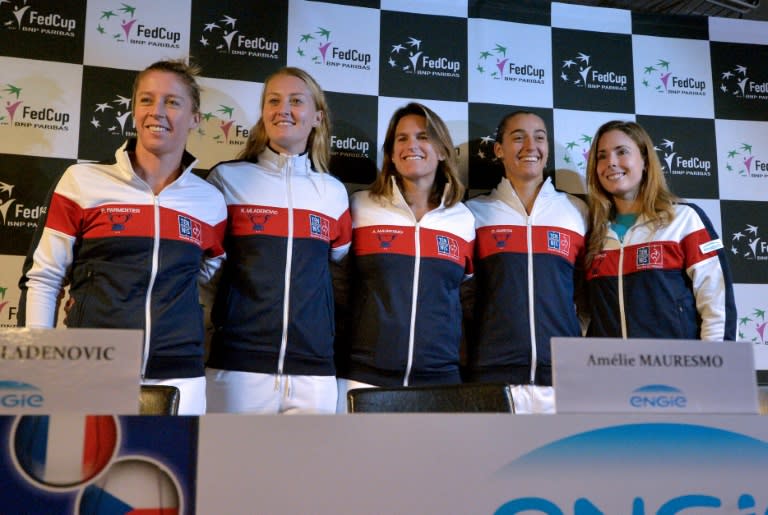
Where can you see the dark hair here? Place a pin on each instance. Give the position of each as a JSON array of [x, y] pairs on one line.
[[440, 137]]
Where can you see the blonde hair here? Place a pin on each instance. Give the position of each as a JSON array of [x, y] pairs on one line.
[[657, 202], [319, 142], [187, 73], [440, 137]]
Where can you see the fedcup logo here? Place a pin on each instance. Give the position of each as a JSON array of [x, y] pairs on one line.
[[112, 116], [577, 152], [5, 204], [658, 396], [495, 64], [221, 125], [120, 24], [737, 82], [10, 94], [580, 72], [224, 35], [31, 19], [19, 113], [749, 245], [661, 79], [318, 48], [752, 327], [740, 160], [3, 302], [409, 57], [675, 163]]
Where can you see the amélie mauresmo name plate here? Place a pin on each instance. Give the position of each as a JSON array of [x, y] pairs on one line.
[[607, 375]]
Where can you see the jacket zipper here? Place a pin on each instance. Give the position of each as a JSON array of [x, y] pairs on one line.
[[531, 313], [152, 277], [287, 280], [414, 302]]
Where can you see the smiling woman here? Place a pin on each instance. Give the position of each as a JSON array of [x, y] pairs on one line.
[[411, 250], [132, 239], [272, 345]]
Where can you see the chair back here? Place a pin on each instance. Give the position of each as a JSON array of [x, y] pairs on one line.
[[456, 398], [158, 399]]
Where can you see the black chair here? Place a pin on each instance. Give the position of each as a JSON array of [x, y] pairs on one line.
[[158, 399], [456, 398]]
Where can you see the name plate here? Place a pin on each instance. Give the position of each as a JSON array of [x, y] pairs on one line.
[[607, 375], [91, 371]]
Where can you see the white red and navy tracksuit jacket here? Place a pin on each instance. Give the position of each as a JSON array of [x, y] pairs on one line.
[[274, 310], [526, 281], [406, 323], [132, 259], [667, 282]]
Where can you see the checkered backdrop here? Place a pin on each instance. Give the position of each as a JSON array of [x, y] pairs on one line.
[[700, 86]]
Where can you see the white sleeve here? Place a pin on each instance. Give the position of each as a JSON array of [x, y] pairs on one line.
[[50, 262]]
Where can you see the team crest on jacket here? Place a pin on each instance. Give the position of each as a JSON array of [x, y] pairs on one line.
[[558, 242], [386, 237], [118, 220], [650, 256], [500, 237], [447, 246], [190, 230], [319, 227]]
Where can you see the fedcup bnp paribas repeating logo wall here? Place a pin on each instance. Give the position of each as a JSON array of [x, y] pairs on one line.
[[319, 47], [113, 116], [738, 82], [581, 71], [496, 64], [223, 34], [220, 125], [660, 76], [677, 162], [123, 23], [39, 17], [19, 112]]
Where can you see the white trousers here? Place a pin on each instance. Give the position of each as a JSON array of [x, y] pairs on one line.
[[232, 391], [532, 399], [344, 385], [191, 393]]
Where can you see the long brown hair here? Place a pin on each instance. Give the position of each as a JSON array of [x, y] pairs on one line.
[[657, 202], [440, 137], [319, 142]]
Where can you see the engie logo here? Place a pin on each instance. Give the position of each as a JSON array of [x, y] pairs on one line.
[[120, 24], [658, 396], [226, 38], [659, 77], [495, 64], [28, 18], [675, 163], [581, 72], [16, 394], [740, 160], [409, 57], [320, 49], [736, 82]]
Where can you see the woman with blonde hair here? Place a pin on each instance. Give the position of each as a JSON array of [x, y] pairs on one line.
[[272, 343], [655, 266], [412, 248]]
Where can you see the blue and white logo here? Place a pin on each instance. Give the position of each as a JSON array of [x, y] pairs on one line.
[[16, 394], [658, 396]]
